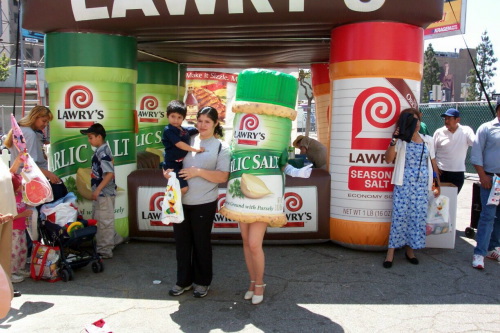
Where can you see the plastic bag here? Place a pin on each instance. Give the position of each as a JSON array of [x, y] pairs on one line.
[[32, 224], [494, 197], [61, 211], [36, 187], [45, 262], [438, 215], [171, 207]]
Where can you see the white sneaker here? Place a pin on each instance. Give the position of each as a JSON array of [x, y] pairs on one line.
[[24, 273], [478, 261], [494, 254]]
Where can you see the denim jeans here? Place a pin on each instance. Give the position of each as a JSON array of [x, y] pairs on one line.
[[488, 226]]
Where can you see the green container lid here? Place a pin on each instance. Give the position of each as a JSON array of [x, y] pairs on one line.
[[266, 86], [70, 49], [153, 72]]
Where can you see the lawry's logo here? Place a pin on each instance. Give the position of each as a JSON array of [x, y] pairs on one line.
[[148, 112], [246, 133], [149, 103], [77, 112], [78, 96], [296, 214], [293, 201], [375, 111], [153, 214]]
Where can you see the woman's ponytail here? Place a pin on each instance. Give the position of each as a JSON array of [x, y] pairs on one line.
[[219, 131]]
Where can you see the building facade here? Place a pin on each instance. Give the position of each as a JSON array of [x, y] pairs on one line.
[[455, 68]]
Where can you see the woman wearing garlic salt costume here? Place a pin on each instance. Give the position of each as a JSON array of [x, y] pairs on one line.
[[264, 109]]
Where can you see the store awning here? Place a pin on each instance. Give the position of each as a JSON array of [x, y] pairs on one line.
[[225, 33]]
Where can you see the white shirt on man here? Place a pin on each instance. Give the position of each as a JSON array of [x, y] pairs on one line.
[[451, 148]]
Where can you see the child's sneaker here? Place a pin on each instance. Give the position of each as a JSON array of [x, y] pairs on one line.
[[16, 278], [494, 254], [478, 261]]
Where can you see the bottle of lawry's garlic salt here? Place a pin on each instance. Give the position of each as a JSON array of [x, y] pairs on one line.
[[264, 109]]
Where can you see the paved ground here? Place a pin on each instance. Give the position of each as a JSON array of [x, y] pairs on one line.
[[311, 288]]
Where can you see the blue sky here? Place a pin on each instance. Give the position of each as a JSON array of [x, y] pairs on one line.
[[481, 15]]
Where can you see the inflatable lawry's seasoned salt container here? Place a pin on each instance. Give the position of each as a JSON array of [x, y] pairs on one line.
[[264, 109], [371, 85], [92, 79]]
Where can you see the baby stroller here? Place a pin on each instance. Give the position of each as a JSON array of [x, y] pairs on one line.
[[75, 239]]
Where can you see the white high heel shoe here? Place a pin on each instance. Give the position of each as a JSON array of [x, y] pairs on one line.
[[257, 299], [249, 293]]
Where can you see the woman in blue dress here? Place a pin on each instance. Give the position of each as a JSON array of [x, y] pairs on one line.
[[414, 163]]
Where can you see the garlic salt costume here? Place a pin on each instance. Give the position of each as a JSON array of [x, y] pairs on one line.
[[264, 109]]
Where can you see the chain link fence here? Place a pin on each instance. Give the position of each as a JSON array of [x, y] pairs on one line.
[[472, 114]]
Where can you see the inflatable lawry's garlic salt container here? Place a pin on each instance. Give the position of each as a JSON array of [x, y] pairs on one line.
[[264, 109]]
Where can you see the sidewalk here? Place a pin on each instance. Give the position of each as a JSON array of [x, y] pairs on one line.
[[310, 288]]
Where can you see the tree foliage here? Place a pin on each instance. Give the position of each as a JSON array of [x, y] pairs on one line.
[[4, 67], [485, 61], [303, 75], [431, 73]]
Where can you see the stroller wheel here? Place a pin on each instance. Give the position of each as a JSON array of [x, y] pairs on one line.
[[469, 233], [66, 274], [97, 267]]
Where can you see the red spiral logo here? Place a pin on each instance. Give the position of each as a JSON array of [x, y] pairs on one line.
[[221, 200], [156, 201], [79, 96], [249, 122], [149, 103], [380, 106], [293, 201]]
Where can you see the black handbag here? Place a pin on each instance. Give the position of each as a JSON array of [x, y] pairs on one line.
[[407, 124]]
